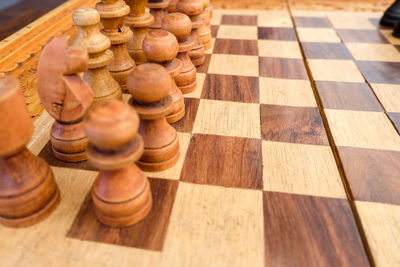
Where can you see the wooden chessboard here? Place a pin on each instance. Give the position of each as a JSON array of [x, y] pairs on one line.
[[290, 154]]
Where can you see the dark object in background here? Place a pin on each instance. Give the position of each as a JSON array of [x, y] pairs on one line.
[[396, 30], [16, 14], [391, 15]]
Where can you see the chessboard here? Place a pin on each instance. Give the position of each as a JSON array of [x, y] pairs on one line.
[[290, 152]]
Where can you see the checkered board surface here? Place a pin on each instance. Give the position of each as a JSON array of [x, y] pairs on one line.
[[290, 157]]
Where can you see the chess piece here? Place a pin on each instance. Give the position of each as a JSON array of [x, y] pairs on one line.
[[172, 6], [194, 8], [159, 9], [205, 29], [161, 47], [396, 30], [149, 85], [28, 191], [65, 96], [180, 25], [121, 193], [112, 14], [138, 20], [391, 15], [96, 44]]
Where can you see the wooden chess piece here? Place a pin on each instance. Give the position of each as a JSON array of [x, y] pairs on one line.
[[194, 8], [391, 15], [205, 29], [112, 14], [161, 47], [396, 30], [159, 9], [149, 85], [28, 191], [172, 6], [65, 96], [121, 193], [180, 25], [138, 20], [96, 44]]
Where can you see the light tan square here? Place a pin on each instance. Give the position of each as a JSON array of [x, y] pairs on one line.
[[335, 70], [283, 49], [274, 18], [215, 226], [323, 35], [41, 133], [200, 77], [362, 129], [234, 65], [381, 223], [374, 52], [388, 95], [301, 169], [388, 35], [174, 173], [216, 17], [227, 118], [237, 32], [350, 21], [286, 92]]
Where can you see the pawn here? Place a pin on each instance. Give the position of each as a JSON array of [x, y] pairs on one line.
[[28, 191], [161, 47], [112, 14], [159, 9], [65, 96], [172, 6], [194, 8], [149, 85], [121, 193], [205, 29], [97, 45], [180, 25]]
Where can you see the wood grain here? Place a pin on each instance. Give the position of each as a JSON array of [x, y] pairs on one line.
[[374, 52], [312, 22], [372, 174], [231, 88], [395, 118], [237, 32], [282, 49], [301, 169], [203, 68], [300, 228], [292, 124], [323, 35], [274, 33], [237, 47], [380, 72], [186, 123], [147, 234], [361, 36], [335, 70], [239, 20], [286, 68], [224, 161], [314, 50], [234, 65], [388, 95], [349, 96]]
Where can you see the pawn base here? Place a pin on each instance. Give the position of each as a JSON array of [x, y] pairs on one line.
[[198, 61], [188, 88], [171, 118], [70, 157], [35, 217], [159, 166]]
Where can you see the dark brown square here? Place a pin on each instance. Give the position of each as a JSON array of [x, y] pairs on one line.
[[48, 155], [236, 47], [224, 161], [214, 30], [310, 231], [292, 124], [395, 118], [397, 47], [373, 175], [350, 96], [312, 22], [380, 72], [285, 68], [315, 50], [186, 123], [239, 20], [361, 36], [231, 88], [203, 68], [272, 33], [147, 234]]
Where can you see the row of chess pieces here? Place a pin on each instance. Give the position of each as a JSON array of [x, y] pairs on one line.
[[119, 47]]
